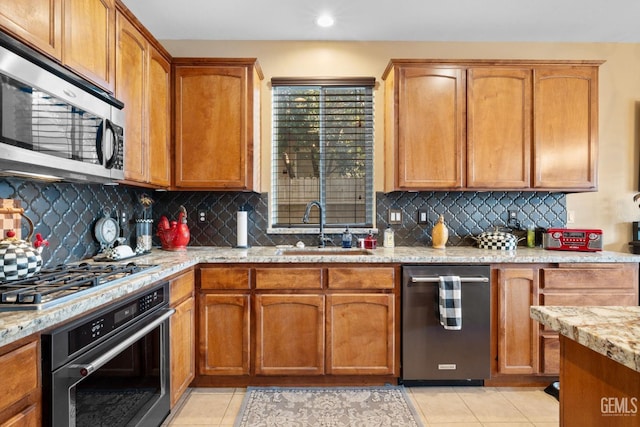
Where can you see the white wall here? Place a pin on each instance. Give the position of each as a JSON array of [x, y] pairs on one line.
[[611, 208]]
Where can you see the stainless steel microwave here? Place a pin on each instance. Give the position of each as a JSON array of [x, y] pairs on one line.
[[53, 124]]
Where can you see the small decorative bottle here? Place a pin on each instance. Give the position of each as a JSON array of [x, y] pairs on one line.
[[439, 234]]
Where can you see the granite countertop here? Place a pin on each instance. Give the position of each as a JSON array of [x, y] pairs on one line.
[[613, 332], [18, 324]]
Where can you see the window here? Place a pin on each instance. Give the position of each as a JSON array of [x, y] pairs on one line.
[[322, 150]]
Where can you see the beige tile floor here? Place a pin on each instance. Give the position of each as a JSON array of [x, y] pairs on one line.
[[437, 406]]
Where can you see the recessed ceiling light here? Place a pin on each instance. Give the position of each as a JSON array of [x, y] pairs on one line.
[[325, 21]]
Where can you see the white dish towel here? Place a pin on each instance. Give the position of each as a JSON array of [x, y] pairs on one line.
[[450, 302]]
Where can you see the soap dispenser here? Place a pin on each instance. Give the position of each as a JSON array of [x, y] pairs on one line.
[[347, 238], [389, 237]]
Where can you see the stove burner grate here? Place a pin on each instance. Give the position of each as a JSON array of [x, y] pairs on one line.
[[62, 281]]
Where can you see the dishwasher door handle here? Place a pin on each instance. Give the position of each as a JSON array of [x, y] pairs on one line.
[[432, 279]]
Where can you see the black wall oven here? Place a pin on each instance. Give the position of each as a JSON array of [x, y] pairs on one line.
[[110, 368]]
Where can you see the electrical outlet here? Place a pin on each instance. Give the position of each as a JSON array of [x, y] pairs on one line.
[[422, 217], [395, 216], [202, 216], [513, 221]]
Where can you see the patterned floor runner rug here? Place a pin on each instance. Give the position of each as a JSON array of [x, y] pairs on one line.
[[327, 407]]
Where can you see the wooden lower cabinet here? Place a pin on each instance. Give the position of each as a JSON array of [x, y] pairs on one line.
[[361, 334], [20, 399], [289, 334], [517, 333], [276, 324], [223, 339], [522, 346], [582, 285], [182, 334]]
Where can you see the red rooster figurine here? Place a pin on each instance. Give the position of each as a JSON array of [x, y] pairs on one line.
[[174, 237]]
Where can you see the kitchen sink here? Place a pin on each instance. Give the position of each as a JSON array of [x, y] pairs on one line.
[[323, 251]]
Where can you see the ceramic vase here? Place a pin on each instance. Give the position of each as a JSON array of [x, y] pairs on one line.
[[439, 234]]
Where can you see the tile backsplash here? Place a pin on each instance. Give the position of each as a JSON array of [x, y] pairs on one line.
[[66, 213]]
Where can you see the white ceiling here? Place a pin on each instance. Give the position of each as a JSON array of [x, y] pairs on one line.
[[393, 20]]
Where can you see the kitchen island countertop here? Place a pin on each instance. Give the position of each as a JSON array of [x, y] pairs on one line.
[[18, 324], [611, 331]]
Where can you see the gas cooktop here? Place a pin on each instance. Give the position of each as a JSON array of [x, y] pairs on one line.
[[52, 286]]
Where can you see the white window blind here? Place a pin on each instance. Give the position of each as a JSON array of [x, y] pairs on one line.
[[322, 150]]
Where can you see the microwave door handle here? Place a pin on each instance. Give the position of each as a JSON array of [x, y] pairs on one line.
[[114, 145], [99, 138]]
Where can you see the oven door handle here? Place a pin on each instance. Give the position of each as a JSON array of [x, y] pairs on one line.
[[90, 367], [436, 279]]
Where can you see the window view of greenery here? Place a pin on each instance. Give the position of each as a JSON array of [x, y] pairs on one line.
[[322, 150]]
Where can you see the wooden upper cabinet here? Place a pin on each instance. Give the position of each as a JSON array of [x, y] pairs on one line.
[[89, 39], [566, 128], [499, 107], [37, 22], [425, 127], [217, 128], [491, 124], [143, 84], [131, 71], [159, 98]]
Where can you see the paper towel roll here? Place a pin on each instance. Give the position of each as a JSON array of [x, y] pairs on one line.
[[242, 229]]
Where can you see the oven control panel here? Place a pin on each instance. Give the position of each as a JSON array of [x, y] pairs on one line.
[[102, 324]]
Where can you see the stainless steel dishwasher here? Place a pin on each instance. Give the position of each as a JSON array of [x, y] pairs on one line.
[[432, 354]]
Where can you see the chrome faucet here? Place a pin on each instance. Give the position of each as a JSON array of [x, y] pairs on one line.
[[305, 219]]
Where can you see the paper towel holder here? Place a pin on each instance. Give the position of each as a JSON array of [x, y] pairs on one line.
[[242, 241]]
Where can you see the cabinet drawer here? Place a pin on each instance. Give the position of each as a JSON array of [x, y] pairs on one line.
[[602, 277], [289, 278], [362, 278], [19, 373], [224, 278], [28, 417], [181, 287], [585, 299]]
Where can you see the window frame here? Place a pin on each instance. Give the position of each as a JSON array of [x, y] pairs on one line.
[[369, 143]]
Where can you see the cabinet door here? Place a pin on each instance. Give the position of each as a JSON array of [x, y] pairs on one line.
[[37, 22], [89, 39], [21, 394], [361, 334], [430, 128], [131, 71], [289, 334], [517, 332], [565, 128], [182, 348], [499, 112], [211, 116], [223, 334], [159, 119]]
